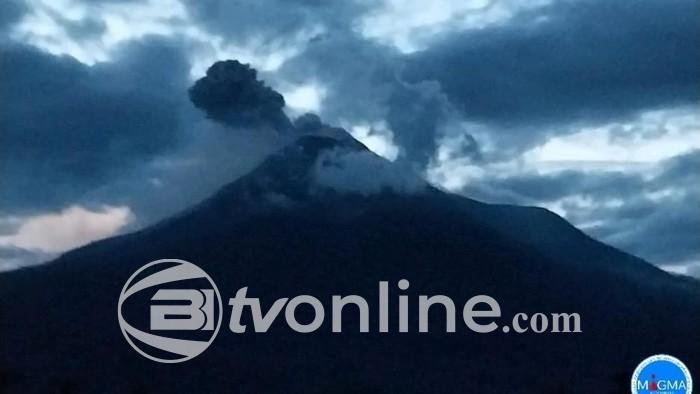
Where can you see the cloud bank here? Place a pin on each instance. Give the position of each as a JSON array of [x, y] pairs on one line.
[[587, 107]]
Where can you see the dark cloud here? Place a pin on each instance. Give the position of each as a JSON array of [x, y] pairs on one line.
[[668, 231], [10, 12], [230, 93], [124, 132], [653, 216], [266, 22], [80, 30], [68, 128], [682, 170], [585, 61], [416, 114], [543, 72], [310, 123], [663, 231], [570, 63], [668, 235], [552, 187], [362, 78], [363, 84]]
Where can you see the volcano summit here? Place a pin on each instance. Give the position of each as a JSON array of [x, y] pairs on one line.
[[325, 215]]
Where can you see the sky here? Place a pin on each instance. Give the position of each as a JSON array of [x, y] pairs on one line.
[[589, 108]]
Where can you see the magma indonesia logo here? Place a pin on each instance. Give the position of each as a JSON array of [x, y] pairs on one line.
[[180, 305], [662, 374]]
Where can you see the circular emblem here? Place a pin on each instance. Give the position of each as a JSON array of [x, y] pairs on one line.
[[662, 374], [170, 310]]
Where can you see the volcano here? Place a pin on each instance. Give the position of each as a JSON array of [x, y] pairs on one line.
[[326, 216]]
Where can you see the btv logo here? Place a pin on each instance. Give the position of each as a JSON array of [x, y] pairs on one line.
[[176, 307]]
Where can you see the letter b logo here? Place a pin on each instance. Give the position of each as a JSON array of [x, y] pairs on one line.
[[199, 310], [176, 307]]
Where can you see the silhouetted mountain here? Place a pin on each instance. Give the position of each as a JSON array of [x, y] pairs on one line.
[[326, 216]]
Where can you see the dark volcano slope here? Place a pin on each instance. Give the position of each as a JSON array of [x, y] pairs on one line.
[[59, 331]]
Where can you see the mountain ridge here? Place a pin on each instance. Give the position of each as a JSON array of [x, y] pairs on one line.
[[327, 238]]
